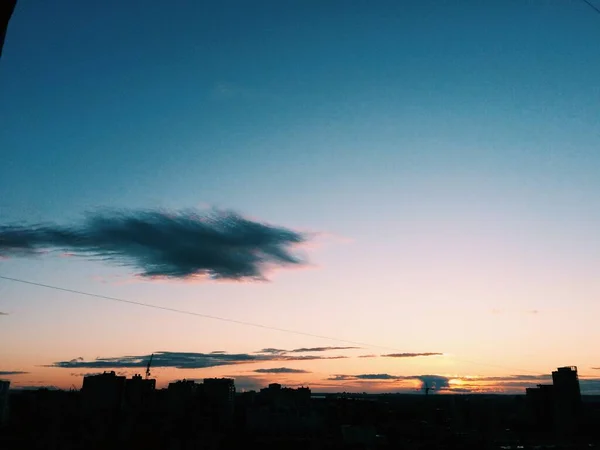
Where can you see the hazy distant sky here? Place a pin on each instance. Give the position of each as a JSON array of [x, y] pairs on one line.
[[449, 149]]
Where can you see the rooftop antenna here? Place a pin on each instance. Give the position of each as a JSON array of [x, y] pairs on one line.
[[148, 366]]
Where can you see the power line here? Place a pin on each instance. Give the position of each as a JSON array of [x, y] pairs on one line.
[[591, 5], [238, 322], [192, 313]]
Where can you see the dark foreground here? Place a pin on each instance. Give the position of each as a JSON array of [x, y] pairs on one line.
[[280, 418]]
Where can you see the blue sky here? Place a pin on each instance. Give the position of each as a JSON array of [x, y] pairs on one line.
[[453, 145]]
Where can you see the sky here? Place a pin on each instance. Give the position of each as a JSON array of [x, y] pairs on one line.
[[420, 179]]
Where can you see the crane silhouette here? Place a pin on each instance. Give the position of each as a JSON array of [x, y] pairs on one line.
[[148, 366]]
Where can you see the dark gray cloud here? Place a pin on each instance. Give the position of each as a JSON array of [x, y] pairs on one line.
[[376, 376], [371, 376], [306, 357], [368, 356], [274, 351], [180, 360], [320, 349], [7, 373], [411, 355], [219, 244], [3, 313], [365, 376], [183, 360], [281, 370], [437, 382]]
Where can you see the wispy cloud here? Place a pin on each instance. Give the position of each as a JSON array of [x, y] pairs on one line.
[[307, 357], [366, 376], [272, 351], [508, 378], [411, 355], [518, 383], [280, 351], [183, 244], [84, 374], [281, 370], [340, 378], [436, 382], [26, 387], [7, 373], [3, 313], [368, 356], [319, 349]]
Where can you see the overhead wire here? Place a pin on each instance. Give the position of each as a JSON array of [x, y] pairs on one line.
[[591, 5], [193, 313], [235, 321]]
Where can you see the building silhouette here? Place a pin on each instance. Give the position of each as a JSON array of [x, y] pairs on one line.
[[137, 391], [113, 404], [556, 406], [219, 394], [283, 411], [182, 399], [112, 411], [4, 388], [101, 397], [540, 403], [276, 395], [103, 392], [567, 398]]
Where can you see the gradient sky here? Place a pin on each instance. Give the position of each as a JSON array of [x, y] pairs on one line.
[[449, 152]]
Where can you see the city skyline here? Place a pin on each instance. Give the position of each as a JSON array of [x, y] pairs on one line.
[[420, 177], [284, 376], [270, 365]]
